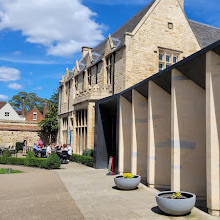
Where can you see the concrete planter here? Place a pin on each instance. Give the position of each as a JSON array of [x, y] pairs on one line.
[[127, 184], [180, 206]]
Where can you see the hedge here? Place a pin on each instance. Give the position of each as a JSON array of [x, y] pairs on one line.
[[86, 160], [47, 163]]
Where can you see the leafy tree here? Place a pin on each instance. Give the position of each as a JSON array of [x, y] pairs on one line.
[[31, 100], [49, 126]]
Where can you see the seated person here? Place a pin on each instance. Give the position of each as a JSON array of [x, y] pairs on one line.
[[48, 152], [36, 148], [69, 149], [64, 148]]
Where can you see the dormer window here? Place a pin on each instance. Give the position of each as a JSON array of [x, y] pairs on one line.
[[34, 116], [6, 114]]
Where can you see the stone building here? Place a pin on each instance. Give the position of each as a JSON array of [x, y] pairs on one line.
[[15, 126], [167, 128], [157, 37]]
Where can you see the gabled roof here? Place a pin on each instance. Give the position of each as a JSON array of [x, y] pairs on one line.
[[2, 104], [205, 34]]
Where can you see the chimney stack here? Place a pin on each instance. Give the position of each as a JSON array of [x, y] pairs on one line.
[[45, 109], [23, 108], [85, 50]]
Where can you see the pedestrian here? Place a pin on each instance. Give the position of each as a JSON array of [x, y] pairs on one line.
[[40, 142], [24, 147]]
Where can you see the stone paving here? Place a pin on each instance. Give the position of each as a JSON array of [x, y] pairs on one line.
[[36, 194], [95, 195]]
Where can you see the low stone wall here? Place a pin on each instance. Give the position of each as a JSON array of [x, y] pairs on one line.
[[14, 131]]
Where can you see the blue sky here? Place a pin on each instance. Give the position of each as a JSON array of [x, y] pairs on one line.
[[40, 38]]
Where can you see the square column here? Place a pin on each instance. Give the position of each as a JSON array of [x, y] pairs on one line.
[[213, 132], [159, 137], [188, 153], [139, 134], [124, 162]]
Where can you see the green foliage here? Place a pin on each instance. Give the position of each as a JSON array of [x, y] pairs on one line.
[[28, 160], [47, 163], [49, 126], [5, 171], [88, 152], [12, 160], [53, 161], [19, 146], [31, 100], [6, 153], [86, 160]]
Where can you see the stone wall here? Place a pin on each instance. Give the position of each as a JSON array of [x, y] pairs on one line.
[[12, 132]]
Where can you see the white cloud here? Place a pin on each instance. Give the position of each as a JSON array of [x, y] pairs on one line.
[[119, 2], [38, 88], [62, 26], [9, 74], [17, 52], [15, 86], [3, 97]]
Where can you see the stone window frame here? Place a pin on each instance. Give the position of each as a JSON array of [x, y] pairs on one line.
[[34, 114], [76, 82], [81, 128], [109, 68], [7, 114], [90, 76], [167, 57]]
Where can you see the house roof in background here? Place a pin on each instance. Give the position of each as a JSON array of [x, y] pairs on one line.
[[2, 104]]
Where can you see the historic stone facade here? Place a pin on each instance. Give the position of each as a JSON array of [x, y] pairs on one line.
[[154, 39], [15, 131]]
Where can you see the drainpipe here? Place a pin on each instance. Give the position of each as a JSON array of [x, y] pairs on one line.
[[113, 75]]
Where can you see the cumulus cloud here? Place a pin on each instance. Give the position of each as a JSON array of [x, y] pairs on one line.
[[9, 74], [119, 2], [3, 97], [62, 26], [14, 86]]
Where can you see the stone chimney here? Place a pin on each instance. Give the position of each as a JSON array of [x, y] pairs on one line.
[[23, 108], [181, 3], [85, 50]]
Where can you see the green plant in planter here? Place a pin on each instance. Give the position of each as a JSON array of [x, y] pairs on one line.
[[127, 176], [176, 195]]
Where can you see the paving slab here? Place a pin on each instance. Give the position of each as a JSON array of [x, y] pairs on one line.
[[35, 194], [97, 198]]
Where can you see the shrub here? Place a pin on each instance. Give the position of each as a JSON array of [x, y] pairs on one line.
[[88, 152], [19, 146], [12, 160], [52, 162], [86, 160], [35, 162], [6, 153]]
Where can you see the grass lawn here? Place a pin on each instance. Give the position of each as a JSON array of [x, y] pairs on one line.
[[5, 171]]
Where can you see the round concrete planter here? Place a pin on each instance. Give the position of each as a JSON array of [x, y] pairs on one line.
[[127, 184], [180, 206]]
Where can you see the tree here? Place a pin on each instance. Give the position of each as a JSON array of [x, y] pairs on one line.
[[31, 100], [49, 126]]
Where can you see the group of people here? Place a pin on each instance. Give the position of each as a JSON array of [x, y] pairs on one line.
[[53, 147]]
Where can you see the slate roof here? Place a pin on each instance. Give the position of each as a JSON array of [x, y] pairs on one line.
[[2, 104], [205, 34]]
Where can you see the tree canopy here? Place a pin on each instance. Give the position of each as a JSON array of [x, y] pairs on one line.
[[31, 100], [49, 126]]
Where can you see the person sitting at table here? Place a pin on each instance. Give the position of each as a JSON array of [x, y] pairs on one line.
[[64, 148], [36, 148], [70, 151], [59, 147], [48, 152]]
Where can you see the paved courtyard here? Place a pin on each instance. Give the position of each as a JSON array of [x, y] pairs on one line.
[[96, 197], [75, 192]]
